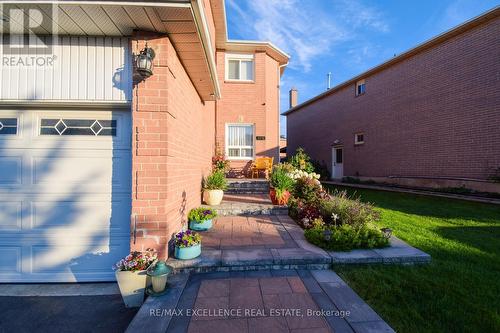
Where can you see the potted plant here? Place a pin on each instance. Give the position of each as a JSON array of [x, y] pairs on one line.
[[280, 185], [213, 188], [187, 245], [132, 278], [200, 219]]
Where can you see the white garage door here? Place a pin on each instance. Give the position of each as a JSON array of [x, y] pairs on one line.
[[64, 194]]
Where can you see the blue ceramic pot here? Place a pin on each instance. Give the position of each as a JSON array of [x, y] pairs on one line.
[[185, 253], [200, 226]]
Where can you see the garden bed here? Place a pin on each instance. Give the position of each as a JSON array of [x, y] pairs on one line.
[[332, 221]]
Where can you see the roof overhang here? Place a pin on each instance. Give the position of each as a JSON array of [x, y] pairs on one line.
[[251, 45], [184, 21]]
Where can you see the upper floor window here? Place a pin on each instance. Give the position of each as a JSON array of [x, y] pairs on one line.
[[359, 138], [360, 87], [239, 67]]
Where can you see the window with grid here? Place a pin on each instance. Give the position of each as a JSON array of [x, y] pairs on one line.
[[239, 67], [239, 141]]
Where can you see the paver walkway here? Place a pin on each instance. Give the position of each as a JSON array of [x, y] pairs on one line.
[[259, 301], [277, 242]]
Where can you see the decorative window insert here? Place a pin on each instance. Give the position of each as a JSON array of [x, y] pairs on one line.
[[359, 138], [240, 67], [78, 127], [8, 126], [239, 141], [360, 87]]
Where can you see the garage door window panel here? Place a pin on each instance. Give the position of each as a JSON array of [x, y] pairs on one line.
[[91, 127], [8, 126]]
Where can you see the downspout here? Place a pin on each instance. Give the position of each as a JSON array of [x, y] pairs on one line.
[[279, 107]]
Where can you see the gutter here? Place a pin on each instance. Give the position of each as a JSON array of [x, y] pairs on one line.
[[200, 21]]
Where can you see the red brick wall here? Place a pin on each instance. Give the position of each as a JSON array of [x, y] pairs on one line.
[[172, 146], [251, 103], [435, 114]]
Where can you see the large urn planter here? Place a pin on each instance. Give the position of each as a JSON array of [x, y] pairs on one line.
[[132, 277], [279, 201], [213, 197], [132, 286], [213, 188]]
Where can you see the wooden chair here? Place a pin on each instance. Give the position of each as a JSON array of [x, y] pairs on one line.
[[263, 163]]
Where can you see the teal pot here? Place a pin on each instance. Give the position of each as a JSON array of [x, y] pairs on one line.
[[185, 253], [200, 226]]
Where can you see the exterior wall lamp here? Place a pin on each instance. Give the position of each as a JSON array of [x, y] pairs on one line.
[[144, 61]]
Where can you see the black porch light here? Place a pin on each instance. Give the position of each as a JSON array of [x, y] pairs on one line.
[[144, 61]]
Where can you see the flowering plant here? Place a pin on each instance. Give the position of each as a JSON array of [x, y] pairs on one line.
[[296, 174], [219, 163], [187, 238], [201, 214], [137, 261]]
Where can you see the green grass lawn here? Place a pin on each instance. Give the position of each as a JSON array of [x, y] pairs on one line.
[[459, 291]]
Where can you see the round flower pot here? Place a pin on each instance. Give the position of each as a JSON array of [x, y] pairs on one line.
[[185, 253], [200, 225], [213, 197], [132, 286], [283, 201]]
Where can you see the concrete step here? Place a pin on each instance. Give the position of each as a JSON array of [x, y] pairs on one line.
[[248, 204], [247, 186]]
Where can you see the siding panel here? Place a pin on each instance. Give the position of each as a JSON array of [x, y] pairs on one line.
[[84, 69]]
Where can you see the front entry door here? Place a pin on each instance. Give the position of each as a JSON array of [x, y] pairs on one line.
[[337, 165]]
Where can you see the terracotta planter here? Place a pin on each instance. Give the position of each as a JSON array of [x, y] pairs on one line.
[[213, 197], [132, 286], [276, 201]]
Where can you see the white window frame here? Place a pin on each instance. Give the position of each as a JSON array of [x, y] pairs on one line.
[[356, 141], [239, 57], [240, 158], [359, 83]]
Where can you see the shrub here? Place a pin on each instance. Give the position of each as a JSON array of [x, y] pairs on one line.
[[339, 209], [219, 163], [309, 190], [215, 181], [300, 160], [346, 237], [321, 169], [280, 180], [201, 214]]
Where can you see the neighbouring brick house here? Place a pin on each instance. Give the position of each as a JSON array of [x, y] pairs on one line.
[[96, 159], [427, 117]]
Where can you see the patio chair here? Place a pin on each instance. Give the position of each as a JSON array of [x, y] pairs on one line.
[[263, 163]]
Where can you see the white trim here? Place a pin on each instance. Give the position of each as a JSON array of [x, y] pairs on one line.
[[204, 33], [239, 57], [258, 43], [226, 146], [179, 4]]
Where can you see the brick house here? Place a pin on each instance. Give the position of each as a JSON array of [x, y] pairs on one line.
[[427, 117], [97, 159]]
